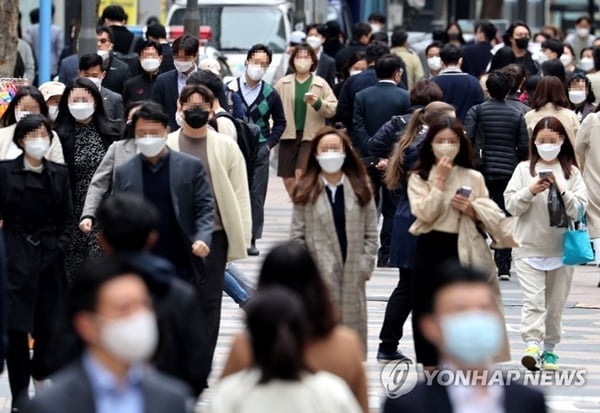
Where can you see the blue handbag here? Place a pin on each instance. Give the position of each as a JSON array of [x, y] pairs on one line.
[[577, 246]]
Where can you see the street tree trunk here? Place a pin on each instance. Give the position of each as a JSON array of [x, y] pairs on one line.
[[9, 15], [491, 9]]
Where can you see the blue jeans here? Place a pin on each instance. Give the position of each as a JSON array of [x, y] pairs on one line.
[[235, 290]]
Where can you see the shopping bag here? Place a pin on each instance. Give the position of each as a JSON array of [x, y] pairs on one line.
[[577, 246]]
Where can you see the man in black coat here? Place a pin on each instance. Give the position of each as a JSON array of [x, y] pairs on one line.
[[125, 42], [326, 67], [477, 55], [90, 67], [117, 71], [462, 321], [129, 229], [361, 36], [157, 33], [140, 87], [500, 140]]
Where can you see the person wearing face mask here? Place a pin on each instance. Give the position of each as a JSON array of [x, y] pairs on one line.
[[168, 85], [433, 59], [586, 60], [308, 102], [400, 48], [377, 22], [568, 60], [583, 36], [462, 321], [28, 100], [326, 66], [226, 171], [453, 35], [37, 215], [90, 67], [451, 204], [85, 133], [140, 87], [517, 36], [581, 96], [52, 92], [333, 195], [356, 65], [117, 71], [111, 313], [545, 280]]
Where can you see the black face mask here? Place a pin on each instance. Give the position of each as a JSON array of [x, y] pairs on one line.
[[196, 118], [522, 43], [453, 36]]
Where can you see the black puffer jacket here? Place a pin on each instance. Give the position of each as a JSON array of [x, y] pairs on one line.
[[505, 140]]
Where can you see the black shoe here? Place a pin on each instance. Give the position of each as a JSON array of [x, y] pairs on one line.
[[253, 251], [384, 357], [383, 263], [504, 277]]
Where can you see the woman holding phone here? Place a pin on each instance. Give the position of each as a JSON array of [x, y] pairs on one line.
[[307, 103], [545, 280]]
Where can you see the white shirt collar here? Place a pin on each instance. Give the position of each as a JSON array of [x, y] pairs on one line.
[[388, 81], [332, 188]]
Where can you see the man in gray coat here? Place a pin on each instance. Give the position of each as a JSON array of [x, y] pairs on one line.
[[111, 314]]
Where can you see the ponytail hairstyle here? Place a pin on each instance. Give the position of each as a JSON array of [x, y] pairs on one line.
[[277, 325], [395, 174]]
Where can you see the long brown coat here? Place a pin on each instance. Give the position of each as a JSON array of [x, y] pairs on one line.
[[313, 224]]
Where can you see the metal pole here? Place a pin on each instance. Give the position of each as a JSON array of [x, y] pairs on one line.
[[591, 11], [87, 35], [191, 19], [45, 35]]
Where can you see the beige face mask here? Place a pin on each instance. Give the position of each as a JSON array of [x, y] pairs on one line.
[[449, 150]]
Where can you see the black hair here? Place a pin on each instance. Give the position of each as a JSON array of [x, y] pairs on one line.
[[554, 45], [107, 30], [152, 20], [331, 29], [584, 18], [8, 118], [292, 266], [555, 68], [378, 17], [517, 73], [206, 78], [260, 48], [435, 43], [90, 60], [531, 85], [186, 43], [317, 26], [450, 54], [34, 16], [596, 56], [503, 57], [460, 37], [450, 273], [380, 37], [375, 51], [387, 66], [28, 124], [151, 111], [156, 31], [277, 326], [508, 34], [356, 57], [127, 220], [498, 84], [359, 30], [488, 28], [150, 43], [399, 37], [193, 88], [114, 12], [591, 97]]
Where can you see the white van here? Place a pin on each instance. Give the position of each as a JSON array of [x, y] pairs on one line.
[[239, 24]]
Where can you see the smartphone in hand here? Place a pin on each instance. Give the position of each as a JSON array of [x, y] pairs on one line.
[[545, 174], [464, 191]]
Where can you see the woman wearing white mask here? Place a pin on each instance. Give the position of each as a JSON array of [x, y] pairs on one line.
[[568, 60], [334, 215], [28, 100], [581, 95], [451, 204], [308, 102], [85, 133], [545, 280], [36, 210], [586, 60]]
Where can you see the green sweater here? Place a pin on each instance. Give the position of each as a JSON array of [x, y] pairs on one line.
[[300, 105]]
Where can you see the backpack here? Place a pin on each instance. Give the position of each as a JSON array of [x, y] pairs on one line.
[[248, 135]]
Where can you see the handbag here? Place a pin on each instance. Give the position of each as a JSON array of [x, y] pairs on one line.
[[577, 246], [556, 209]]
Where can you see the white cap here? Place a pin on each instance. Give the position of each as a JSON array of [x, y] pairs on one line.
[[297, 37], [211, 64], [49, 89]]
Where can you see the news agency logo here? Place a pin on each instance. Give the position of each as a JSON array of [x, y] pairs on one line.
[[400, 377]]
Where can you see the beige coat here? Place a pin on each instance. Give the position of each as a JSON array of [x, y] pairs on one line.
[[230, 187], [55, 152], [414, 68], [315, 119], [587, 149], [474, 252], [313, 225], [566, 116]]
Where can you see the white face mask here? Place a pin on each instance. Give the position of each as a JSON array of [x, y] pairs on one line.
[[104, 54], [20, 114], [302, 65], [586, 64], [150, 64], [132, 339], [183, 66], [96, 81], [375, 28], [53, 112], [37, 147], [434, 63], [331, 162], [150, 146], [178, 119], [540, 57], [583, 32], [314, 42], [449, 150], [577, 96], [81, 110], [255, 72], [565, 59], [548, 151], [354, 72]]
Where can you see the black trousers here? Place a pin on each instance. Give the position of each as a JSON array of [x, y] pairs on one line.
[[387, 208], [396, 312], [502, 257], [258, 191], [210, 289]]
